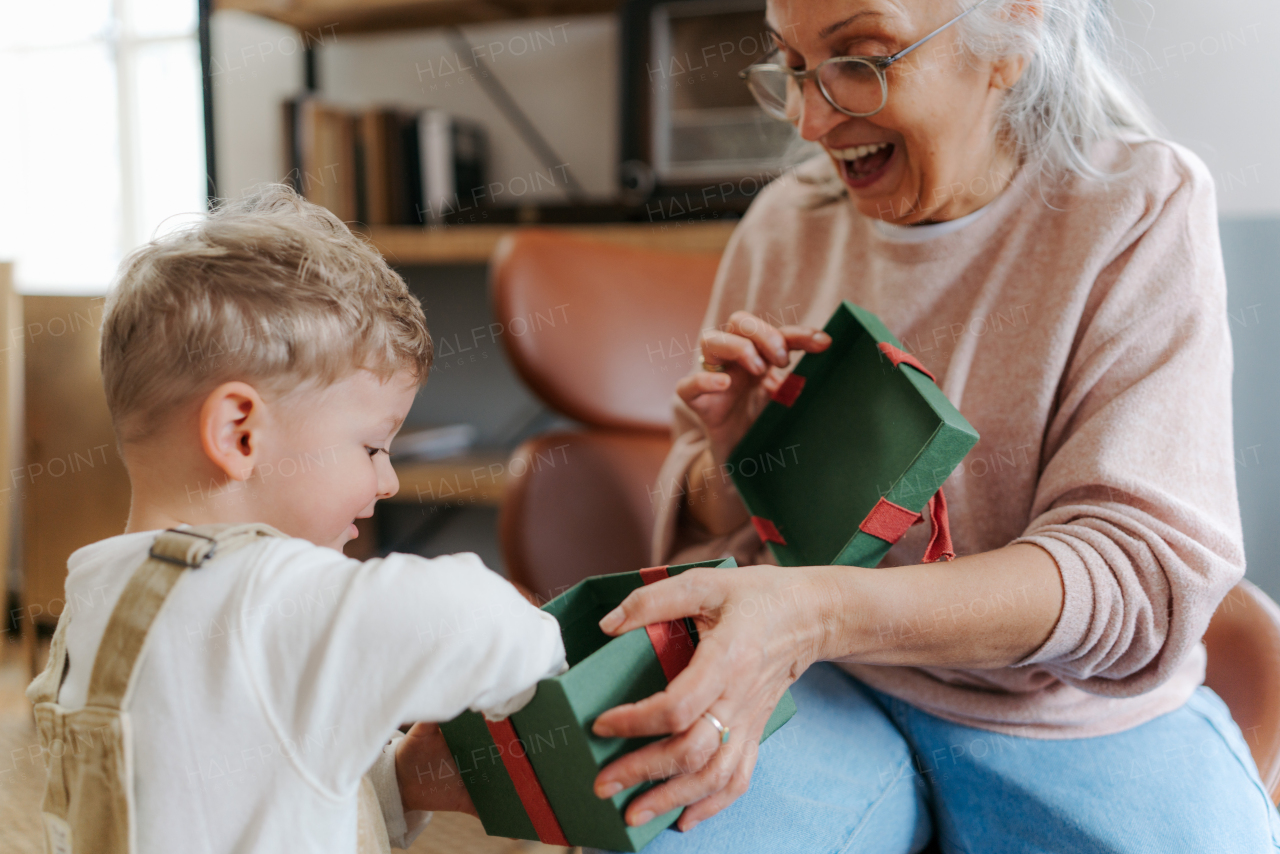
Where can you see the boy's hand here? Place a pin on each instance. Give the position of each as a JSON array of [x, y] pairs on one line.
[[428, 778]]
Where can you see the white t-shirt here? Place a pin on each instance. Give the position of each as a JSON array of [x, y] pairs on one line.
[[273, 677]]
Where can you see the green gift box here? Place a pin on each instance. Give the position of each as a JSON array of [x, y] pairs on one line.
[[531, 776], [851, 451]]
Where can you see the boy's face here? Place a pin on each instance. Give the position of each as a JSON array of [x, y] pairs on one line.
[[327, 462]]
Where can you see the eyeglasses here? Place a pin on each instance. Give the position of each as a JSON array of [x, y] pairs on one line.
[[854, 85]]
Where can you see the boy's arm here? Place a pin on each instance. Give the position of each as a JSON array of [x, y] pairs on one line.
[[345, 652]]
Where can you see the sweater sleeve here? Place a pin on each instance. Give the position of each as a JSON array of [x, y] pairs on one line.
[[343, 652], [1136, 499]]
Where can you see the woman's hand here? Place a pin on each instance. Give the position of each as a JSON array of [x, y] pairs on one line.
[[755, 356], [758, 630], [427, 776]]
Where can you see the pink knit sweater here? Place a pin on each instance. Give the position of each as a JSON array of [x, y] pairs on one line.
[[1082, 330]]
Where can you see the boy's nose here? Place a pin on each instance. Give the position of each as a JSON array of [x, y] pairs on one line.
[[388, 481]]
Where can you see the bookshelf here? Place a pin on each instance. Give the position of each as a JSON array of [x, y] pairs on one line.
[[457, 243], [371, 16], [474, 244]]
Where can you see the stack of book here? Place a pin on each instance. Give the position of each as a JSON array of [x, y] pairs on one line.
[[384, 166]]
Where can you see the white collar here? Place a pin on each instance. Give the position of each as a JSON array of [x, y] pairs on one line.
[[895, 233]]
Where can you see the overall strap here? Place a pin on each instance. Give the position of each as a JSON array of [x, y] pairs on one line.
[[173, 552]]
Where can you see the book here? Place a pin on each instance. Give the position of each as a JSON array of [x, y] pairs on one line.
[[383, 165], [326, 170]]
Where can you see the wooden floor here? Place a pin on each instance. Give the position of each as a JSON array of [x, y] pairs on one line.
[[22, 785]]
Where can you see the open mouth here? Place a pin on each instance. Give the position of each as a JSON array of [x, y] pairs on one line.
[[863, 164]]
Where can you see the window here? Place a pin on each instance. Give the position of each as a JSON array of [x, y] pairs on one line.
[[102, 141]]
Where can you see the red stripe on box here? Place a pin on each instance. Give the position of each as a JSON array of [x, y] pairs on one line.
[[789, 390], [888, 521], [671, 640], [532, 797], [653, 573], [767, 530], [898, 357]]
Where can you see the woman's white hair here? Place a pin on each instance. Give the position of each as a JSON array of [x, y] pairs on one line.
[[1072, 92]]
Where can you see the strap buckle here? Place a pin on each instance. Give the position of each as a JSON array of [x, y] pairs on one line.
[[213, 545]]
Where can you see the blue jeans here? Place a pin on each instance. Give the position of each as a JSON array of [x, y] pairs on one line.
[[859, 771]]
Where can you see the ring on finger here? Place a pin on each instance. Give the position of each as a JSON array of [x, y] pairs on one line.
[[714, 367], [720, 728]]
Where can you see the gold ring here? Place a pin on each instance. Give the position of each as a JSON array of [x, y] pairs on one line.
[[720, 728], [714, 367]]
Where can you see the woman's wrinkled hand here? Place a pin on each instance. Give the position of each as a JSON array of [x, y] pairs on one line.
[[755, 356], [758, 631]]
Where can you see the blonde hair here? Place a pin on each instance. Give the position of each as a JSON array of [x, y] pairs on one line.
[[269, 289]]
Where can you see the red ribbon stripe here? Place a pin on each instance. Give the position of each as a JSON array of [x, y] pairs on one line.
[[671, 640], [899, 357], [532, 797]]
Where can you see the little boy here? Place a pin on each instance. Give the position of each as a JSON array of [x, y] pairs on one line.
[[257, 366]]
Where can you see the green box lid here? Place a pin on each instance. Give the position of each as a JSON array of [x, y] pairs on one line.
[[860, 428]]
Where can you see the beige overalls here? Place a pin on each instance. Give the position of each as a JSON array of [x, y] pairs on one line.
[[88, 803]]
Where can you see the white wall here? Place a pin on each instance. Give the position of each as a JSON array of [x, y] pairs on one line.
[[1211, 73], [257, 65]]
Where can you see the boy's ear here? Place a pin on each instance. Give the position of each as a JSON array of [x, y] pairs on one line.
[[232, 419]]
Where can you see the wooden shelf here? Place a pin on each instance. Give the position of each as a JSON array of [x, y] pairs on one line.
[[472, 479], [323, 17], [474, 244]]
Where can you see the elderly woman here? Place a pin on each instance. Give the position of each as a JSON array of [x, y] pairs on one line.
[[990, 189]]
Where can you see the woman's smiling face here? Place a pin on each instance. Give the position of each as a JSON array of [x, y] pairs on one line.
[[931, 154]]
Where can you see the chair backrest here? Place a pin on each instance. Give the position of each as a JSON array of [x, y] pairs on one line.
[[1243, 640], [579, 504], [600, 331]]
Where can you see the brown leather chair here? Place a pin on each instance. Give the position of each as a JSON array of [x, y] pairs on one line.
[[1244, 669], [602, 333], [579, 503]]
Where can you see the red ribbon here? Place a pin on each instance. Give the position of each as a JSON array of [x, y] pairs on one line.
[[898, 357], [767, 531], [520, 770], [889, 521], [671, 640], [940, 542], [788, 390]]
